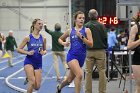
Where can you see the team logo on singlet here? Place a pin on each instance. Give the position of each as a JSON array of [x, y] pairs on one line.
[[36, 44], [74, 36]]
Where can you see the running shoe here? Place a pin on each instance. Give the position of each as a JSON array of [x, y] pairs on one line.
[[26, 81], [58, 90]]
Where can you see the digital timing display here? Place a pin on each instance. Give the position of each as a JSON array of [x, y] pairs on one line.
[[108, 20]]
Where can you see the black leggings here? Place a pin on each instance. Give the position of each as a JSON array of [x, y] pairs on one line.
[[136, 58]]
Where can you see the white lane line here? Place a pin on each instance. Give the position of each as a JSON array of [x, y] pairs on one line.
[[23, 78], [17, 63], [13, 65], [15, 87], [11, 85], [45, 77], [13, 59], [2, 77], [18, 78]]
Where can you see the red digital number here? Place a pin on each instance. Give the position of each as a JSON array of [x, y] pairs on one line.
[[115, 20], [100, 20], [108, 20], [104, 20]]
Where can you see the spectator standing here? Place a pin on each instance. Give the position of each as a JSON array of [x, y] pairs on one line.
[[9, 45], [96, 55], [57, 48]]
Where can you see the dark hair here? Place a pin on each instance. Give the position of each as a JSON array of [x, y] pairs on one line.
[[136, 18], [112, 29], [33, 23], [76, 14]]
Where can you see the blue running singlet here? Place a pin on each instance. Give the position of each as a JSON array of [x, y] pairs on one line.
[[77, 48], [36, 59]]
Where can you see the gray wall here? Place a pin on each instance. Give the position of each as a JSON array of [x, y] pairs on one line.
[[17, 15]]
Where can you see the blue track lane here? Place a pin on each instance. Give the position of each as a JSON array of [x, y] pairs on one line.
[[49, 82]]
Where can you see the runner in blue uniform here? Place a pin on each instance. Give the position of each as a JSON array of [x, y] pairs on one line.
[[79, 38], [36, 45]]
